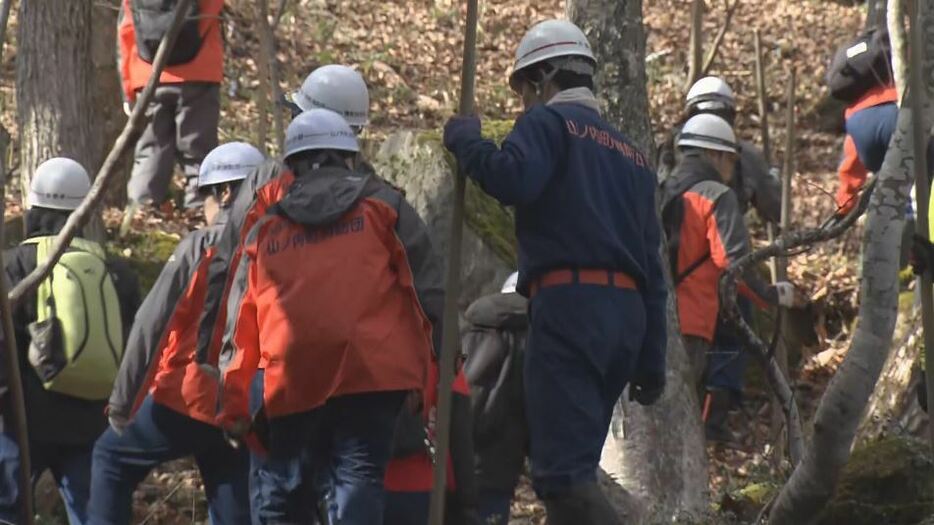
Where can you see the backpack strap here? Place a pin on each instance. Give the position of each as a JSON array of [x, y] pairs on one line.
[[44, 246]]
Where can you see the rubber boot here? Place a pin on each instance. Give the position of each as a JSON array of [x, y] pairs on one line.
[[581, 504], [717, 405]]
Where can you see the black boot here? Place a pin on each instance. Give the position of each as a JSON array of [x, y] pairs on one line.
[[581, 505], [717, 405]]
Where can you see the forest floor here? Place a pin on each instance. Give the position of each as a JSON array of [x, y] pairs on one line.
[[410, 54]]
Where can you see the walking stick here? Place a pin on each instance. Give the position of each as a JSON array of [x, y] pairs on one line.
[[920, 139], [450, 334], [11, 360]]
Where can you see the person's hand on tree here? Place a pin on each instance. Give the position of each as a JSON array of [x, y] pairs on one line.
[[646, 390], [789, 296]]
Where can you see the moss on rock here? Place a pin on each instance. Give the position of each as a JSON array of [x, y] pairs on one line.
[[146, 252], [890, 481]]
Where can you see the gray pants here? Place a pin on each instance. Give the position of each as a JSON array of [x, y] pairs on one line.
[[181, 127]]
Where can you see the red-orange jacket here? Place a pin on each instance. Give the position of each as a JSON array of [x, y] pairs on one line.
[[713, 227], [852, 173], [159, 356], [207, 66], [326, 296]]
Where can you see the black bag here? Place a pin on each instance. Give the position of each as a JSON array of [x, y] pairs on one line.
[[860, 65], [151, 21]]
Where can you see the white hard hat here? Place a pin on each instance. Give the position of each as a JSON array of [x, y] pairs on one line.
[[708, 131], [553, 39], [229, 162], [511, 282], [318, 129], [711, 93], [60, 184], [338, 88]]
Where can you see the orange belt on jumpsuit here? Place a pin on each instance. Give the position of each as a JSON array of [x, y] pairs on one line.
[[593, 277]]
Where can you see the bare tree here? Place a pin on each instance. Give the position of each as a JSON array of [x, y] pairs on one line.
[[661, 459], [895, 16], [54, 75], [838, 416]]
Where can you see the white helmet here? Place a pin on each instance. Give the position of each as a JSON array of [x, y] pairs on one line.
[[338, 88], [318, 129], [710, 94], [511, 282], [229, 162], [554, 39], [708, 131], [60, 184]]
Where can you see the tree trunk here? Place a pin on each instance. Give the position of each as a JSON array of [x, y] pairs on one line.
[[893, 407], [844, 402], [876, 13], [56, 113], [696, 52], [107, 118], [895, 19], [661, 459]]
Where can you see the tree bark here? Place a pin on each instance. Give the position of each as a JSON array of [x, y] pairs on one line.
[[108, 118], [54, 74], [844, 402], [876, 13], [895, 16], [656, 452]]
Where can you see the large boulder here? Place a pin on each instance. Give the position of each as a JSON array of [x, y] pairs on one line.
[[417, 163], [889, 481]]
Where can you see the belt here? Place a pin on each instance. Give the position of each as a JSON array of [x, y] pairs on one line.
[[594, 277]]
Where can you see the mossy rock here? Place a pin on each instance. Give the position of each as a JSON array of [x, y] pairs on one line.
[[890, 482], [490, 220], [146, 252]]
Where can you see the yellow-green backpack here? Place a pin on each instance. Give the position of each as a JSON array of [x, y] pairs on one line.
[[77, 339]]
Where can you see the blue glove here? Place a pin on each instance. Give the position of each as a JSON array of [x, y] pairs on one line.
[[458, 129]]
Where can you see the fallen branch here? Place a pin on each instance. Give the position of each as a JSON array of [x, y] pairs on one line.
[[715, 48], [108, 170], [783, 247]]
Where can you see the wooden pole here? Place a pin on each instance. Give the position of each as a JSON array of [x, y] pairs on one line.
[[920, 138], [271, 71], [696, 53], [764, 130], [715, 47], [781, 263], [451, 336], [128, 136], [11, 360]]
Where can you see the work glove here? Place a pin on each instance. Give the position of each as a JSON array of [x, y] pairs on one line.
[[459, 128], [921, 256], [127, 109], [118, 422], [647, 390], [787, 295]]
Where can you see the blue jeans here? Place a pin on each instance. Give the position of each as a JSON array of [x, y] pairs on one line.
[[348, 442], [726, 359], [70, 466], [155, 435], [583, 344], [406, 508], [494, 507]]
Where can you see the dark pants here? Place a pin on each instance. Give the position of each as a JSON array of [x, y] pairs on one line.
[[348, 441], [158, 434], [70, 466], [182, 128], [583, 344], [726, 359], [494, 506], [406, 508]]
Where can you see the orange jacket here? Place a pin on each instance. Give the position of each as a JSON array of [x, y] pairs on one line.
[[327, 301], [207, 66], [713, 230], [852, 173], [159, 357]]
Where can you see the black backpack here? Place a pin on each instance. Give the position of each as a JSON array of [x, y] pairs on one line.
[[860, 65], [151, 21]]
